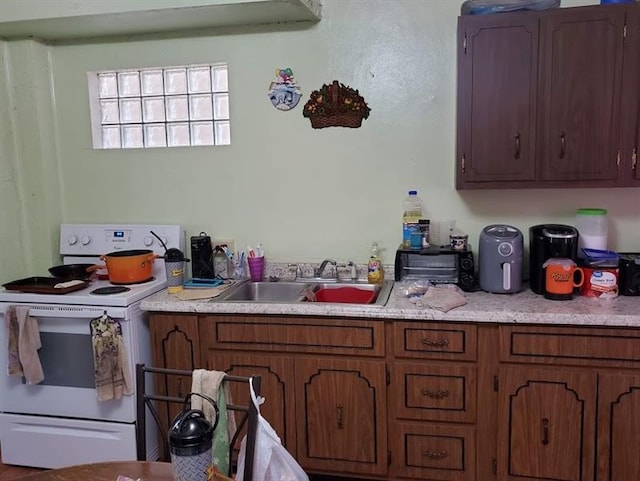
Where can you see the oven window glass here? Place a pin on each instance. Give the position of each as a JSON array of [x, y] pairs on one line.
[[67, 360]]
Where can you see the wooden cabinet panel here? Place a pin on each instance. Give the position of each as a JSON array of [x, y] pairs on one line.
[[497, 85], [549, 98], [619, 427], [175, 340], [581, 75], [276, 386], [290, 334], [435, 341], [432, 451], [427, 392], [341, 413], [547, 428], [631, 100], [542, 344]]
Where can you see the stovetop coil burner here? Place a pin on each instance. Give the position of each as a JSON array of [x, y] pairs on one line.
[[105, 291]]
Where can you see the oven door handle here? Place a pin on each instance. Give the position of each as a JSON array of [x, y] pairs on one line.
[[69, 312]]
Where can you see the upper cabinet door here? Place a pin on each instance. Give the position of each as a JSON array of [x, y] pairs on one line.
[[497, 75], [630, 151], [580, 87]]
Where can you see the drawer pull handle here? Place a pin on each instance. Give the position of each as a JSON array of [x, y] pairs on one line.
[[545, 431], [340, 416], [436, 342], [435, 454], [440, 394]]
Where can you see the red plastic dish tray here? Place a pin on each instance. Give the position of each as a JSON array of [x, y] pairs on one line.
[[350, 295]]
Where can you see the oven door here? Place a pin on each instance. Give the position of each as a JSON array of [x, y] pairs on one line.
[[66, 355]]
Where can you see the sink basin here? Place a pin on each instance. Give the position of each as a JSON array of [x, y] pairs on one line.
[[329, 292], [265, 292]]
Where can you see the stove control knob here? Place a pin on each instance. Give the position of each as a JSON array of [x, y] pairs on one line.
[[72, 240], [86, 240], [148, 241]]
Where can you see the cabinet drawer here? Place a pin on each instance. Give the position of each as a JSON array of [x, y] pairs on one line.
[[445, 453], [438, 393], [435, 341], [293, 334], [575, 346]]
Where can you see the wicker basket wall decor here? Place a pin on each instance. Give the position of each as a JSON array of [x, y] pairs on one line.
[[335, 105]]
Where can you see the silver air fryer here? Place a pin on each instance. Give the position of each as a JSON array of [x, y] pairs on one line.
[[500, 259]]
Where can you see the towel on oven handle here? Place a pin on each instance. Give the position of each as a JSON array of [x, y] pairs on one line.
[[23, 338], [110, 361]]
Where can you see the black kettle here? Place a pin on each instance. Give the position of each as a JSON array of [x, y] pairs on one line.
[[190, 442]]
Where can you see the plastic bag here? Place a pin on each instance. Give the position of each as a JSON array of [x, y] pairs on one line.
[[272, 462], [483, 7]]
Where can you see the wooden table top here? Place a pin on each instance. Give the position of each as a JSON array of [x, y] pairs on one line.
[[146, 471], [142, 470]]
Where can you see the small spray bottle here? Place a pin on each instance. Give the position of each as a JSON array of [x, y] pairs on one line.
[[375, 273]]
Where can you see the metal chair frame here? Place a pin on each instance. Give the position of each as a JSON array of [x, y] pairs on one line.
[[145, 400]]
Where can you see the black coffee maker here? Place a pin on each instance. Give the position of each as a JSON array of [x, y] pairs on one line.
[[547, 241]]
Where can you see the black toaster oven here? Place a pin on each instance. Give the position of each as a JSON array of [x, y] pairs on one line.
[[437, 265], [629, 281]]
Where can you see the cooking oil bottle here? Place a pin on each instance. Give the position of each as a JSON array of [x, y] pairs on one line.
[[375, 273], [412, 210]]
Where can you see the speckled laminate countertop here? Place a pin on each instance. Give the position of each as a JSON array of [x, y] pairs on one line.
[[524, 307]]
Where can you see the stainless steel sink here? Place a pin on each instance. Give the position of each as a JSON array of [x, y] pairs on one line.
[[264, 292], [294, 292]]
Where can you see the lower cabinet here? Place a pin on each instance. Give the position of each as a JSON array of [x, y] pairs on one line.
[[448, 401], [324, 383], [618, 449], [570, 409], [547, 428], [341, 415]]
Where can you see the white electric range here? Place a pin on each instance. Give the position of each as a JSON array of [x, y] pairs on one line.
[[60, 422]]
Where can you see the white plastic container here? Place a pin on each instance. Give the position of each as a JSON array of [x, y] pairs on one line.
[[412, 208], [592, 225]]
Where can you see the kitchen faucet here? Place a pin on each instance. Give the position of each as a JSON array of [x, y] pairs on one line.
[[320, 270]]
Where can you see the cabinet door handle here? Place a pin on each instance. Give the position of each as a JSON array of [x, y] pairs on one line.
[[563, 144], [516, 154], [545, 431], [436, 342], [340, 416], [435, 454], [634, 159], [440, 394]]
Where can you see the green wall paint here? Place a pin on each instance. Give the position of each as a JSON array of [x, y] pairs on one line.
[[306, 194]]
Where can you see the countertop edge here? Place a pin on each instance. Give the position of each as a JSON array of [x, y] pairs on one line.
[[481, 307]]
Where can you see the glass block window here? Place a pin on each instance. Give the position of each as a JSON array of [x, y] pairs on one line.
[[160, 107]]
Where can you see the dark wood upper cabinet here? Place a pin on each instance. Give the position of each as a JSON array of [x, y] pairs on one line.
[[549, 99], [497, 71], [630, 153]]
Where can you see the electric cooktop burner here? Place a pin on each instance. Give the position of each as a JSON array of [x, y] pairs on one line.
[[133, 283], [105, 291]]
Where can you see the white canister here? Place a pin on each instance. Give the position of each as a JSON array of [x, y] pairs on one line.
[[592, 229]]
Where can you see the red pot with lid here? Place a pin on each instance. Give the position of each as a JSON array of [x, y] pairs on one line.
[[129, 266]]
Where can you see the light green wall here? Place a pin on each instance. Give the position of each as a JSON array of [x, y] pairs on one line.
[[29, 179], [306, 194]]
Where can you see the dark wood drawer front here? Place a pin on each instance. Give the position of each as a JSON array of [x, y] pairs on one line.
[[435, 341], [577, 346], [446, 453], [361, 338], [439, 393]]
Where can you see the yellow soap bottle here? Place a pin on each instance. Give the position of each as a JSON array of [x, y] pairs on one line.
[[375, 272]]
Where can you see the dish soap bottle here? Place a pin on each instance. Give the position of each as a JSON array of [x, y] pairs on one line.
[[375, 273]]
